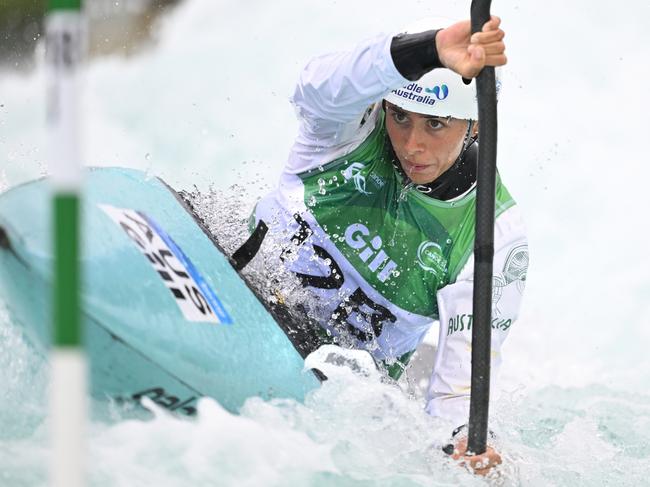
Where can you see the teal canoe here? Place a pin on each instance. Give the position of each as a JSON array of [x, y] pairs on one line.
[[166, 316]]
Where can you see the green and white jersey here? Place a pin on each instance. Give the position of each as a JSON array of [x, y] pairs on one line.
[[383, 260]]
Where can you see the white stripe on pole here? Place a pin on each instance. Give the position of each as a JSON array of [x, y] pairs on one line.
[[67, 416], [65, 51]]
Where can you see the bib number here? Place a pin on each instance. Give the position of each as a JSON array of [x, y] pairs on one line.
[[357, 315]]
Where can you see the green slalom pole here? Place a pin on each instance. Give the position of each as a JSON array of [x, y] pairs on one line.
[[65, 44]]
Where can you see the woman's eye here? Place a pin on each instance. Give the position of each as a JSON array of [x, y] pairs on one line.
[[435, 124], [399, 117]]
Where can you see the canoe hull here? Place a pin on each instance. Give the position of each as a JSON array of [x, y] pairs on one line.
[[165, 314]]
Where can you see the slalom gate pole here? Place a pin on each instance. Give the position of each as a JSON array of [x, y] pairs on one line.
[[65, 46], [483, 245]]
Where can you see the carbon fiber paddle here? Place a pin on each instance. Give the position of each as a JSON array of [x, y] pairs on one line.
[[483, 245]]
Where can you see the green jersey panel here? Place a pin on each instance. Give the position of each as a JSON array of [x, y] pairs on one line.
[[405, 244]]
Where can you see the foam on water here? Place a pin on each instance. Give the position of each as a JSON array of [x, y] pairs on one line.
[[23, 379], [211, 97], [355, 430]]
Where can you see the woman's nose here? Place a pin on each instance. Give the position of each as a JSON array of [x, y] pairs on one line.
[[413, 142]]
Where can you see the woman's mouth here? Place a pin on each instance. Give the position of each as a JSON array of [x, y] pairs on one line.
[[411, 167]]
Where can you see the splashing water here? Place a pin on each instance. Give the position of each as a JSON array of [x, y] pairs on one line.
[[226, 215]]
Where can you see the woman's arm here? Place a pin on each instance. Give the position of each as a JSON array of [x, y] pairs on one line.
[[334, 100], [336, 95]]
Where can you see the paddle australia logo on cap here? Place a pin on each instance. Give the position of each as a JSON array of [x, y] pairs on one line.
[[418, 94], [441, 92]]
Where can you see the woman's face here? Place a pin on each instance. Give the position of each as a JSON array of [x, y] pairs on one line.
[[426, 146]]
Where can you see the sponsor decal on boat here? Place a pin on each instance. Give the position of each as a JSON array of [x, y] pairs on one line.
[[163, 399], [194, 297]]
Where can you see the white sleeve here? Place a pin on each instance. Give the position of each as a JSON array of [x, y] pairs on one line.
[[333, 100], [449, 388]]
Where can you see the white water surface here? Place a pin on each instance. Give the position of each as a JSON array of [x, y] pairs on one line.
[[208, 106]]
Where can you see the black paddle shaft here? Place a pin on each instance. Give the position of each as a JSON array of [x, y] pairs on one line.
[[483, 245]]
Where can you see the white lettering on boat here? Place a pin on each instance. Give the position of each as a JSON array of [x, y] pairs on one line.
[[190, 292]]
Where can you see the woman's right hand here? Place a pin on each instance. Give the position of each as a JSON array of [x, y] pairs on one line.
[[466, 53]]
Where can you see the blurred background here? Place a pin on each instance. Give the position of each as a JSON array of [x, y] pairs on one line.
[[196, 91], [120, 27]]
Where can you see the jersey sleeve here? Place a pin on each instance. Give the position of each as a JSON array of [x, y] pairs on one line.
[[335, 101], [449, 387]]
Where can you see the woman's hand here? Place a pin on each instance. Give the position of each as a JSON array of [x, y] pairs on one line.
[[467, 53], [481, 464]]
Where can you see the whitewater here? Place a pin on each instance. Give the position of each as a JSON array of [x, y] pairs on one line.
[[206, 107]]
